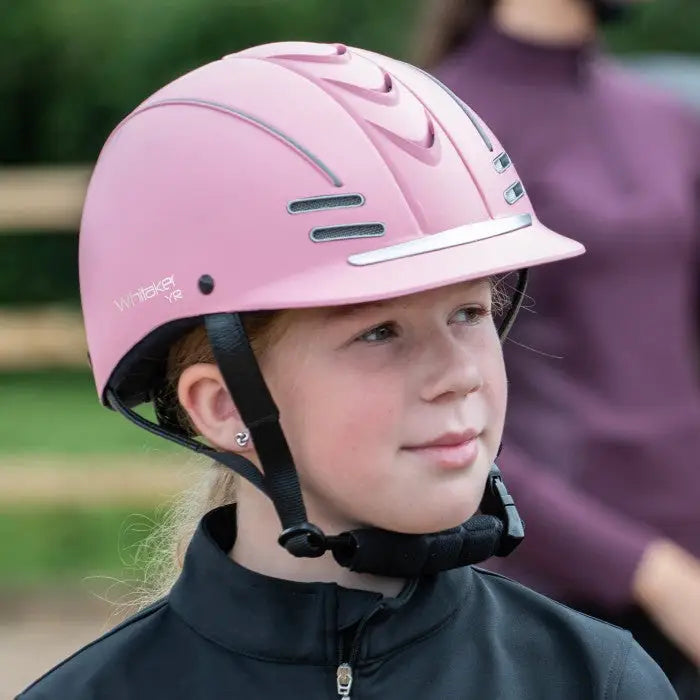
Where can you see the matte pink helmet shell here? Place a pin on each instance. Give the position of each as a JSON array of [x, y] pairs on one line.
[[294, 175]]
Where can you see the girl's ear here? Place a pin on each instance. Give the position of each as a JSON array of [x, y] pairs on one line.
[[203, 394]]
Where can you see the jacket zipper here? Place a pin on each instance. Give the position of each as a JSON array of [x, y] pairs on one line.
[[344, 672], [344, 680], [344, 677]]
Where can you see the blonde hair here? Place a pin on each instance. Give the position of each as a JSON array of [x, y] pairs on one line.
[[160, 556]]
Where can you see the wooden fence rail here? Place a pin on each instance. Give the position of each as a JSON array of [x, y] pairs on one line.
[[42, 198], [47, 199], [41, 337]]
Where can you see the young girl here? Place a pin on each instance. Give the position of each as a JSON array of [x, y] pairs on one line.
[[294, 252]]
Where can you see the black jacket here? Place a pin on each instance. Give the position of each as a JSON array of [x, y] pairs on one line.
[[225, 632]]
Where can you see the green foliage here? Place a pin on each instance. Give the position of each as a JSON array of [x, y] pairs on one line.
[[668, 26], [63, 545], [73, 68], [57, 412], [38, 268]]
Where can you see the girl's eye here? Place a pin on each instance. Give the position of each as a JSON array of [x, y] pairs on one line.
[[467, 315], [379, 334], [470, 315]]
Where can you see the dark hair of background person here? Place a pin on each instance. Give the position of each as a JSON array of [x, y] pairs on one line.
[[443, 25]]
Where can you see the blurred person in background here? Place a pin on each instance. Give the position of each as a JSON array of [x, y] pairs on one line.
[[602, 445]]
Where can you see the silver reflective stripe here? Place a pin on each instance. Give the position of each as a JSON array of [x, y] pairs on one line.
[[465, 108], [461, 235], [251, 118]]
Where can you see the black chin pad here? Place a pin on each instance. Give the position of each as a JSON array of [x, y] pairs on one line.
[[386, 553]]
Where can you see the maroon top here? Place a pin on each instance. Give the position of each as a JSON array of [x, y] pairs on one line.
[[602, 442]]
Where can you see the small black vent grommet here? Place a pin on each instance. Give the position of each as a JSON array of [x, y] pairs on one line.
[[206, 284]]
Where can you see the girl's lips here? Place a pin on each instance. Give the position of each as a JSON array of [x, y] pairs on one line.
[[451, 439], [454, 456]]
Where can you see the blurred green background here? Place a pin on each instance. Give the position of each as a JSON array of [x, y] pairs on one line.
[[71, 69]]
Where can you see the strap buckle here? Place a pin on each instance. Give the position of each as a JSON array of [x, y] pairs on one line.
[[304, 540], [497, 501]]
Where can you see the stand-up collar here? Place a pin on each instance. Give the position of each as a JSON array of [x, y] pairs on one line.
[[288, 621], [523, 61]]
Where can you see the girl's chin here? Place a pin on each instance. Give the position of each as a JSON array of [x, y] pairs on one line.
[[431, 522]]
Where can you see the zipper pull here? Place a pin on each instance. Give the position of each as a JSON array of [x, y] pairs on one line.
[[344, 677]]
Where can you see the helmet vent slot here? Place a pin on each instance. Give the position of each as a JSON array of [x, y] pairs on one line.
[[300, 206], [336, 233], [502, 163], [515, 192]]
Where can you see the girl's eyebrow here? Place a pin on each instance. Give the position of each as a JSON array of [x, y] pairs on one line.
[[349, 310]]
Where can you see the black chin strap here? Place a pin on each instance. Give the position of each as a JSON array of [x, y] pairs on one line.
[[245, 383], [497, 531], [238, 464], [395, 554]]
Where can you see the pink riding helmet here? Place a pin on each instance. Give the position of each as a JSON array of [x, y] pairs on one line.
[[290, 175], [296, 175]]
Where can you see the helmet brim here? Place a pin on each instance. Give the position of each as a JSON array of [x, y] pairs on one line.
[[342, 283], [346, 283]]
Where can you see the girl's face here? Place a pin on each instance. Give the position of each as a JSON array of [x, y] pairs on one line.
[[362, 390]]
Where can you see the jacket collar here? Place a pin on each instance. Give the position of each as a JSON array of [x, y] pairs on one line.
[[274, 619]]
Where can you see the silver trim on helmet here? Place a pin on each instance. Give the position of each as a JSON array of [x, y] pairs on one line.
[[464, 107], [251, 118], [461, 235]]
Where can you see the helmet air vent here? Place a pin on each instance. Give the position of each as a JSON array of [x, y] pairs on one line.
[[336, 233], [301, 206]]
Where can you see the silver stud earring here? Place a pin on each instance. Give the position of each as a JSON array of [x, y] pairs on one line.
[[242, 439]]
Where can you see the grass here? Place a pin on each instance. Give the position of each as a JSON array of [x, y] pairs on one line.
[[61, 546], [57, 411]]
